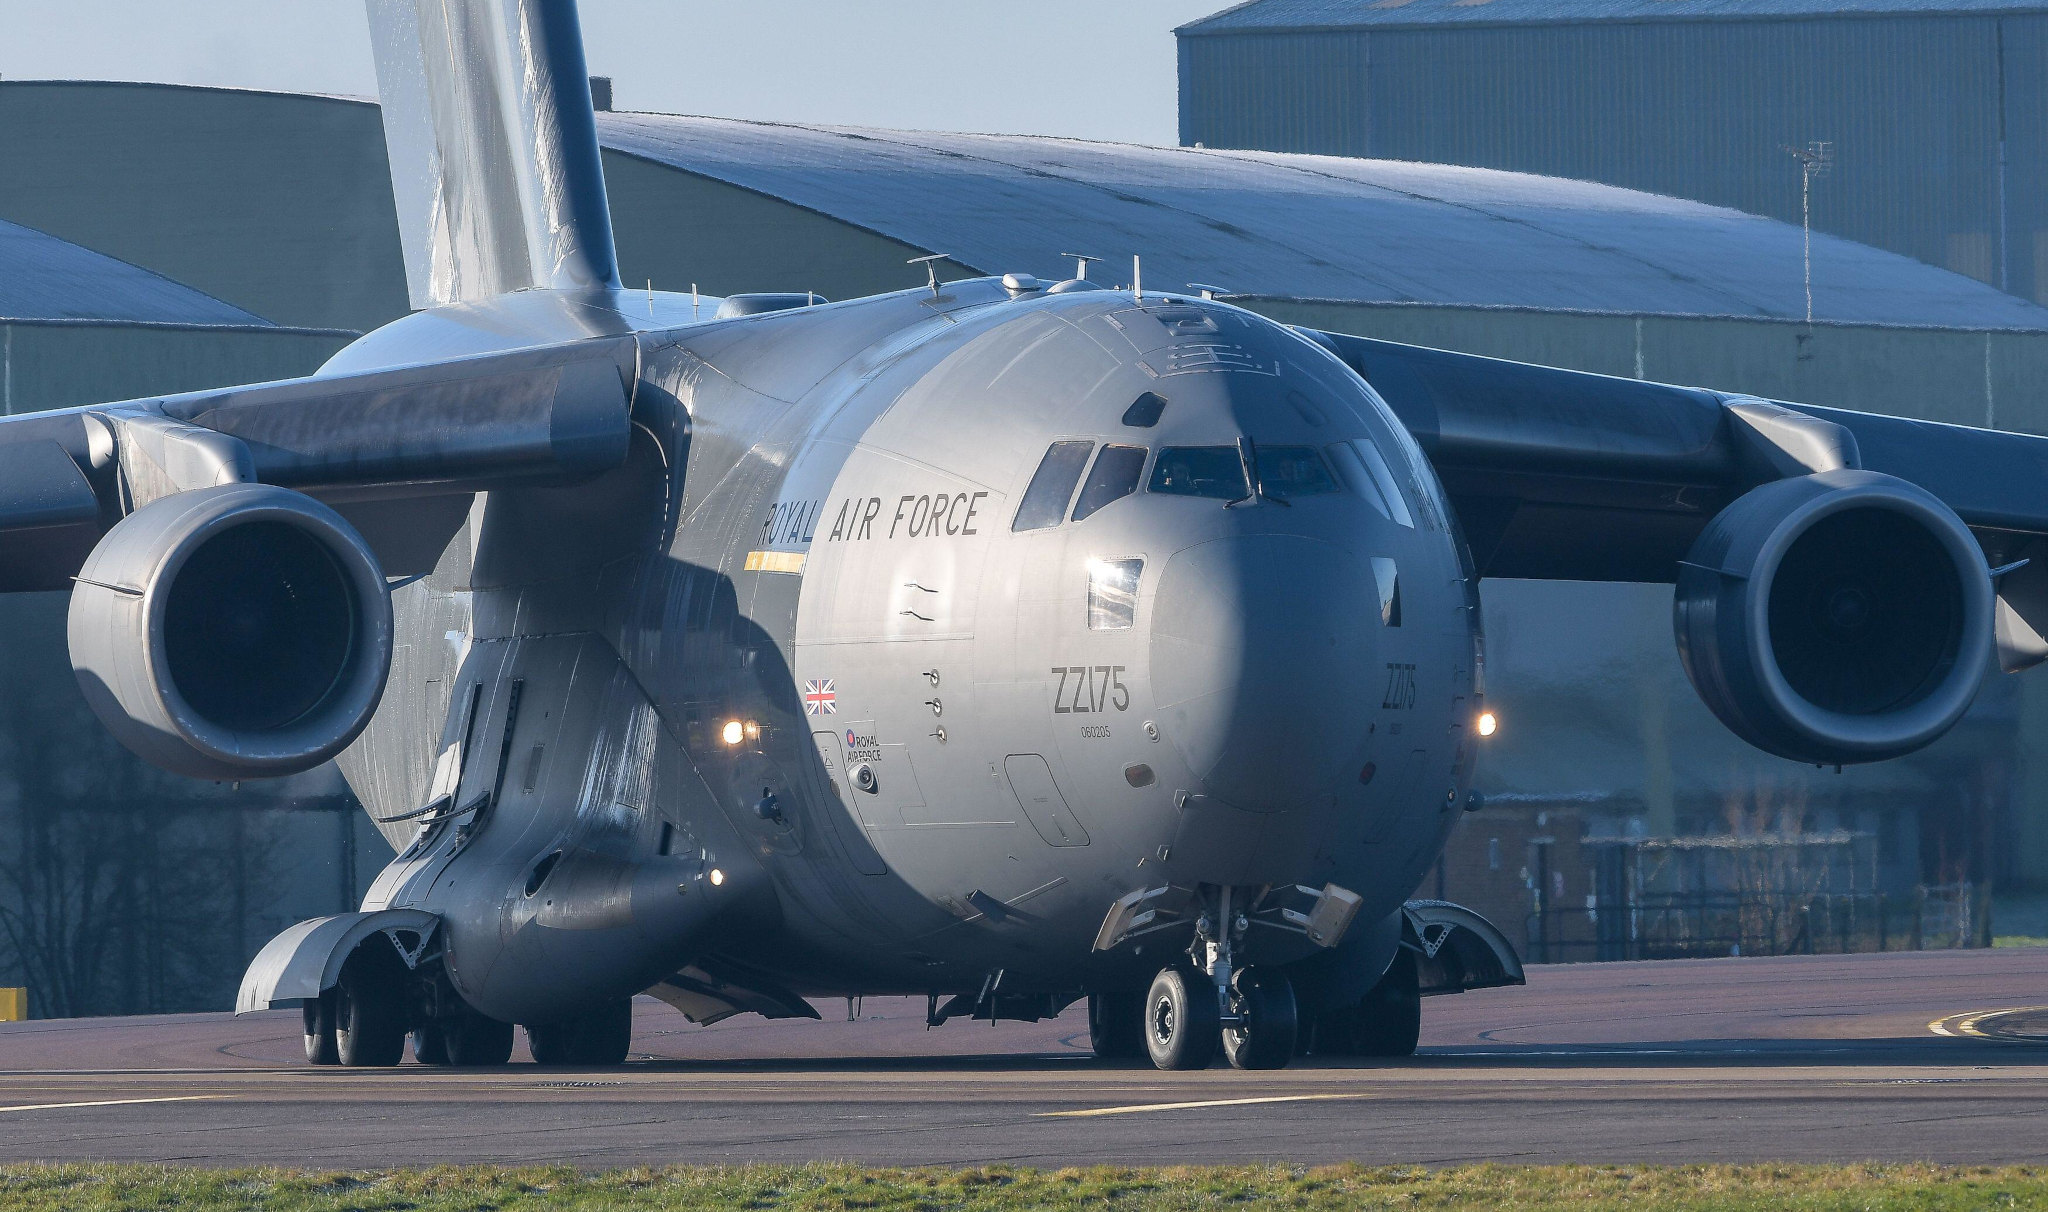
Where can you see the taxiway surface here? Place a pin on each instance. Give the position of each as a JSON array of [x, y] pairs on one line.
[[1929, 1055]]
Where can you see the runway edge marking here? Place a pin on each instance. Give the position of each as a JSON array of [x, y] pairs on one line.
[[116, 1102], [1212, 1102]]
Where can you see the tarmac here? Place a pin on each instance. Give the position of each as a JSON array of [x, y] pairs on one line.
[[1939, 1056]]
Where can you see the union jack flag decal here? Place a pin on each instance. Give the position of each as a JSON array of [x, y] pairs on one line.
[[821, 697]]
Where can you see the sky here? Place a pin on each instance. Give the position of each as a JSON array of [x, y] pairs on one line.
[[1092, 69]]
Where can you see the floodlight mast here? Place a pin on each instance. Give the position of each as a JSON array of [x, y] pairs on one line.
[[1815, 159]]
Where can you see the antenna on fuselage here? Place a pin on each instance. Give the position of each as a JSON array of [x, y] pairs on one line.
[[1081, 263], [1207, 291], [931, 269], [1137, 278]]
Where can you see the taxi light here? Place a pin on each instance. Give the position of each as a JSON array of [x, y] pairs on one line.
[[733, 732], [717, 877], [1488, 725]]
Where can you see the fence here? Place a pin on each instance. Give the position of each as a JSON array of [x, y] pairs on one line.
[[1697, 925]]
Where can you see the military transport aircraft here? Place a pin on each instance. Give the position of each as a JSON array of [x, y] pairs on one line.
[[1006, 641]]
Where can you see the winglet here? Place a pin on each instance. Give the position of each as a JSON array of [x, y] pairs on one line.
[[493, 147]]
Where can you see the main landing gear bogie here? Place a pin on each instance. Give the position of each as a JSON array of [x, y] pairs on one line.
[[377, 1003], [600, 1037]]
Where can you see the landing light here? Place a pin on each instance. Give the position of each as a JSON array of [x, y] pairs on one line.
[[732, 733], [1488, 725], [717, 877]]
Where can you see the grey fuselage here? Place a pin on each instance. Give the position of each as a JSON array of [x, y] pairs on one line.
[[941, 769]]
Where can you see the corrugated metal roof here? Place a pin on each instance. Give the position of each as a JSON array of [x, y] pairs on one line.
[[1362, 14], [44, 278], [1317, 227]]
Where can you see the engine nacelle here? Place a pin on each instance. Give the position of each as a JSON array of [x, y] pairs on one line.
[[232, 632], [1839, 617]]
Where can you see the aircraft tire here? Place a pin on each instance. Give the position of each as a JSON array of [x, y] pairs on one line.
[[369, 1018], [430, 1044], [1116, 1024], [1386, 1022], [318, 1016], [1182, 1030], [1265, 1040], [602, 1037], [477, 1041]]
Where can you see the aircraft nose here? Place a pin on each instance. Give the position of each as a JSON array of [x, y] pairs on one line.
[[1262, 648]]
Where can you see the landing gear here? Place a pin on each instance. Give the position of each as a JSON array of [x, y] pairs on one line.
[[466, 1040], [1263, 1035], [600, 1037], [1192, 1011], [1182, 1024], [1116, 1025], [318, 1015], [1386, 1022], [369, 1010], [430, 1044]]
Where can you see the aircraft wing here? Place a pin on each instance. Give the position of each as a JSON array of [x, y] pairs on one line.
[[1564, 475], [388, 449]]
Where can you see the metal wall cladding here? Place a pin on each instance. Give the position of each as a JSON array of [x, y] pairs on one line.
[[1914, 106]]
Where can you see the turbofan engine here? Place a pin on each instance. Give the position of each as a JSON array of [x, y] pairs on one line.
[[232, 632], [1844, 616]]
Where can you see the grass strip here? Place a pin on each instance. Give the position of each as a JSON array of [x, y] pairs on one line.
[[840, 1187]]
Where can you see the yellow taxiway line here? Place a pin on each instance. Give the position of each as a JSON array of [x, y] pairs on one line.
[[1213, 1102], [1965, 1024], [114, 1102]]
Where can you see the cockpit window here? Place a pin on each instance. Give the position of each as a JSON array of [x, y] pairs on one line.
[[1052, 486], [1293, 471], [1362, 464], [1144, 412], [1114, 477], [1113, 593], [1200, 471]]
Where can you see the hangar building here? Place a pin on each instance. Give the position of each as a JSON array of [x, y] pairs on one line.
[[279, 205], [1935, 111]]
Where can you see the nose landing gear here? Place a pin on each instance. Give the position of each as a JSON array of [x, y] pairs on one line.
[[1263, 1037], [1191, 1012]]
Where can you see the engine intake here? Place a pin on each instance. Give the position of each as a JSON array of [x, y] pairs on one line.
[[1839, 617], [239, 631]]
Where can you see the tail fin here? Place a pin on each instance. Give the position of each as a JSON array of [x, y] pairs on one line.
[[493, 147]]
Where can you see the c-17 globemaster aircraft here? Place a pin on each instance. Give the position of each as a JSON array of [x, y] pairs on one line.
[[1004, 641]]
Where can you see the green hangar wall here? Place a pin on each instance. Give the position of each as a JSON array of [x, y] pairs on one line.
[[1936, 110]]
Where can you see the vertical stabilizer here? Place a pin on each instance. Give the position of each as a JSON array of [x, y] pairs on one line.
[[494, 160]]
